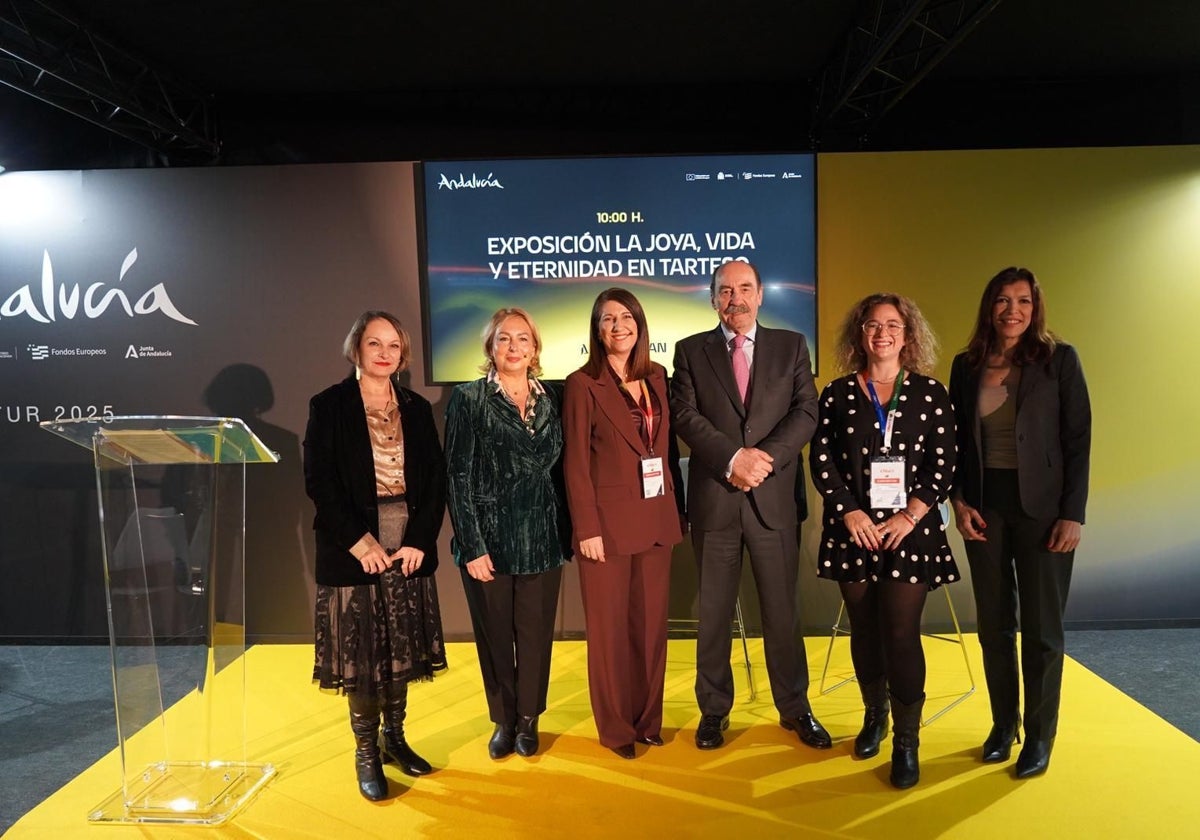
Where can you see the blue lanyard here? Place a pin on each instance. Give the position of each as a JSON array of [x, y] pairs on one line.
[[885, 420]]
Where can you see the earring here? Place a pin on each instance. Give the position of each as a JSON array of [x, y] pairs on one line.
[[357, 372]]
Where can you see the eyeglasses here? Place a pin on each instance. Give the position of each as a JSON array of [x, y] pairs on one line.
[[891, 327]]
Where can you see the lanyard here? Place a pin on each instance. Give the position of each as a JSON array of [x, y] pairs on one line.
[[647, 412], [648, 416], [885, 423]]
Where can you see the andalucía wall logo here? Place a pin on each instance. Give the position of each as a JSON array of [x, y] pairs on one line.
[[462, 182], [63, 301]]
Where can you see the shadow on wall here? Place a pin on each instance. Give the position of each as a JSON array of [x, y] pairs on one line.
[[280, 550]]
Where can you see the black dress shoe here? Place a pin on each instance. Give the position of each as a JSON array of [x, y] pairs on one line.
[[997, 746], [708, 733], [394, 747], [1034, 758], [650, 740], [625, 751], [503, 741], [811, 732], [527, 736]]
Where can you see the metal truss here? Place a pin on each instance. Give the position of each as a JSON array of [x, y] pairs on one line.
[[887, 52], [51, 57]]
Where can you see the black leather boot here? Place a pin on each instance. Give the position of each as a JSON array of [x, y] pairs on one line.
[[997, 746], [392, 745], [875, 718], [527, 735], [906, 724], [503, 740], [364, 722], [1034, 758]]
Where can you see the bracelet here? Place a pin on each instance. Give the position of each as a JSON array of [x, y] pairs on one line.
[[910, 516]]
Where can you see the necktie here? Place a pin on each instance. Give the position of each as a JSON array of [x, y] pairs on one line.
[[741, 367]]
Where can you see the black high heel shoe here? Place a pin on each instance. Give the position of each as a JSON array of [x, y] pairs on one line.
[[997, 746], [1034, 758]]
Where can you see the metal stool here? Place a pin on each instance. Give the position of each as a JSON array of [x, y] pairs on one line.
[[839, 630]]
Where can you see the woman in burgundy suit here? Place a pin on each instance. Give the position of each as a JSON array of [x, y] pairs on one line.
[[625, 498]]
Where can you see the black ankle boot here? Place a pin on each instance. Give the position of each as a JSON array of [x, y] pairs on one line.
[[364, 723], [393, 746], [503, 740], [1034, 757], [527, 735], [875, 718], [906, 769], [998, 744]]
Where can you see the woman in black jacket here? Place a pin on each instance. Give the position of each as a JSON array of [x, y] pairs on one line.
[[1024, 443], [373, 466]]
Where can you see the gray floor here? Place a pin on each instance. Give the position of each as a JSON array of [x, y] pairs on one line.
[[56, 708]]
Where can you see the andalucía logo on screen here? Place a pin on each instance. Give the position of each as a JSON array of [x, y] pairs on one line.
[[62, 300], [462, 182]]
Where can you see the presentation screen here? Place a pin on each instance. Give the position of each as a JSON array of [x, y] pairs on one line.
[[548, 235]]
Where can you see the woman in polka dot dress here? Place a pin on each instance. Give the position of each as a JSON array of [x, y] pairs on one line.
[[882, 459]]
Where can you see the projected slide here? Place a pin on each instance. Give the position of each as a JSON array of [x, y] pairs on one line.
[[549, 235]]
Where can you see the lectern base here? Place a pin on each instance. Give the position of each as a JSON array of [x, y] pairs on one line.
[[196, 793]]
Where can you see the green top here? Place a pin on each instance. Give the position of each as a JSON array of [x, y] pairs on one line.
[[506, 493]]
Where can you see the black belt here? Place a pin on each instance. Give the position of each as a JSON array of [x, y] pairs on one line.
[[390, 500]]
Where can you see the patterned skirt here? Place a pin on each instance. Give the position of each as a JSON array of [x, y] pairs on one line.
[[374, 635], [923, 557]]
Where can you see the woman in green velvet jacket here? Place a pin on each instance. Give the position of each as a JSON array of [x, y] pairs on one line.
[[511, 530]]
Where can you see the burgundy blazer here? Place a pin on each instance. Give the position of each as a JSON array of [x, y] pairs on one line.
[[602, 454]]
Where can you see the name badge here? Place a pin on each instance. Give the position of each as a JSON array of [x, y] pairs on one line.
[[887, 482], [653, 483]]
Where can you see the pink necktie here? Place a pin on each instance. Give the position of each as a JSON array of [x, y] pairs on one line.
[[741, 367]]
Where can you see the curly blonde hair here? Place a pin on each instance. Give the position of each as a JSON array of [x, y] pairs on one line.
[[920, 349]]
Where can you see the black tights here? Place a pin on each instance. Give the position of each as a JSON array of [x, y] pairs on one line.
[[885, 635]]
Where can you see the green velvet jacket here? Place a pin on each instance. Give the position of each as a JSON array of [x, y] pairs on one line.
[[505, 486]]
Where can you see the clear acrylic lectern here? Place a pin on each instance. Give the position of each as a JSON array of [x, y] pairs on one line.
[[172, 520]]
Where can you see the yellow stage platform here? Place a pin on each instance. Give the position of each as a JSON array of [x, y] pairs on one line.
[[1118, 770]]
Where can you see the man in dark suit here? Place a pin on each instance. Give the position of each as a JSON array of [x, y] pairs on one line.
[[744, 401]]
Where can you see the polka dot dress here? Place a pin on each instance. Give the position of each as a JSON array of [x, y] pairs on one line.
[[847, 437]]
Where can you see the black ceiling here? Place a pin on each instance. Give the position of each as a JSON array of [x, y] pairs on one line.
[[301, 80]]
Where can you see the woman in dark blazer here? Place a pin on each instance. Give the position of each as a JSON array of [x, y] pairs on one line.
[[373, 467], [1024, 440], [511, 531], [622, 478]]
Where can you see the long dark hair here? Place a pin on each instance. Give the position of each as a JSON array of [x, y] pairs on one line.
[[639, 365], [1036, 344]]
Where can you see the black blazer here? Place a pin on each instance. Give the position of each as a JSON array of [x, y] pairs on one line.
[[708, 415], [339, 476], [1054, 436]]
